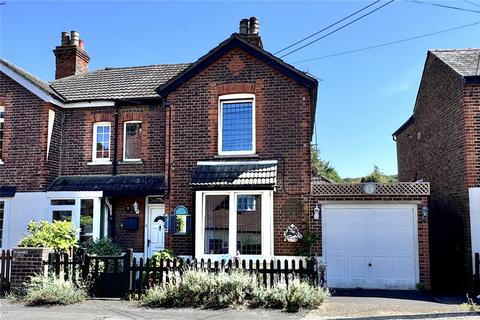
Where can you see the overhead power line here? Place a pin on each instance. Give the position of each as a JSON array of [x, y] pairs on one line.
[[472, 3], [328, 27], [338, 29], [389, 43], [442, 6]]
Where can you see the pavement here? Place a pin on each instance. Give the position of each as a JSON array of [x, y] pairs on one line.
[[354, 304]]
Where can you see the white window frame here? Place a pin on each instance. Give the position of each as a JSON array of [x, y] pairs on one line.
[[235, 98], [2, 120], [96, 196], [125, 141], [6, 218], [96, 160], [266, 221]]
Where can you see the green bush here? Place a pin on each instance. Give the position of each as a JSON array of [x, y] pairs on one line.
[[59, 235], [49, 290], [164, 255], [209, 290], [103, 247]]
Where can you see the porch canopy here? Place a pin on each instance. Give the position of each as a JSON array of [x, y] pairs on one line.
[[119, 185], [235, 175]]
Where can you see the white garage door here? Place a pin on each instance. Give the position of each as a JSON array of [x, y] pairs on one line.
[[372, 246]]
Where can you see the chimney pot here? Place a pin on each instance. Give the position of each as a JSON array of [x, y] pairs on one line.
[[65, 38], [254, 26], [74, 38], [243, 26], [81, 44]]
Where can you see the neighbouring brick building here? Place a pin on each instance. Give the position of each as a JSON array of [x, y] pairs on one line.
[[439, 143]]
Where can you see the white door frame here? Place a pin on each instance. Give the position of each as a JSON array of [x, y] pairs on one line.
[[364, 205], [147, 223]]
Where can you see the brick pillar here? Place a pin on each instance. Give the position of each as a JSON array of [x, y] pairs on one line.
[[27, 262]]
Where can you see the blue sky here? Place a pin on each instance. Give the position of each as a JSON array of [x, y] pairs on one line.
[[363, 97]]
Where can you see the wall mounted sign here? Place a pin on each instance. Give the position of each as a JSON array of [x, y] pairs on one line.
[[180, 210]]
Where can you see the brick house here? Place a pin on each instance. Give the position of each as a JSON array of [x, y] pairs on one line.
[[209, 159], [439, 144], [197, 151]]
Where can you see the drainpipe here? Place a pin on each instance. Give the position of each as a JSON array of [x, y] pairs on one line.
[[166, 105], [115, 143]]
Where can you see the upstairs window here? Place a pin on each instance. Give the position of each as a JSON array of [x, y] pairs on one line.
[[101, 142], [2, 119], [132, 141], [237, 124]]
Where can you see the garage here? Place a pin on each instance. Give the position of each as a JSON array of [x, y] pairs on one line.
[[370, 245]]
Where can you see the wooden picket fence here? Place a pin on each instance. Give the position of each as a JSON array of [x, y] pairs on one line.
[[5, 271], [118, 276]]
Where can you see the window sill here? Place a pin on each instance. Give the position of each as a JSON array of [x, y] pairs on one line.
[[1, 162], [177, 234], [236, 156], [131, 162], [97, 163]]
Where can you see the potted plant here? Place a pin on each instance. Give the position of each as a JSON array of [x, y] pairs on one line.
[[292, 233]]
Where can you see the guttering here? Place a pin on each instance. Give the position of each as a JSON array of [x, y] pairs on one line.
[[89, 104], [402, 127]]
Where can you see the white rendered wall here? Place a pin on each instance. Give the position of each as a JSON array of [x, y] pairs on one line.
[[25, 206], [474, 201]]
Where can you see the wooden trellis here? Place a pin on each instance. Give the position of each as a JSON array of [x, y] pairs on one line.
[[382, 189]]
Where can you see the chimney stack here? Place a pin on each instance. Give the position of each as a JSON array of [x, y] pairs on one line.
[[71, 57], [250, 31]]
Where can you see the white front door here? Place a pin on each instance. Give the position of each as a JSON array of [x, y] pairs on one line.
[[156, 229], [371, 246]]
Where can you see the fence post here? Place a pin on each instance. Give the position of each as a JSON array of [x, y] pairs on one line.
[[128, 268]]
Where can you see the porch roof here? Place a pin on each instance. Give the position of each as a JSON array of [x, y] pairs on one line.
[[248, 174], [119, 185]]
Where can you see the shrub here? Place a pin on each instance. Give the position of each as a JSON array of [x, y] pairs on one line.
[[59, 235], [164, 254], [209, 290], [103, 247], [49, 290]]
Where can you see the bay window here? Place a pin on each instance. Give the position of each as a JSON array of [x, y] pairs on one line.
[[234, 224], [236, 134]]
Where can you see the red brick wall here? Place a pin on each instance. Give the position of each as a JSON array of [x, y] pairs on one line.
[[78, 140], [129, 239], [439, 148], [282, 106], [25, 138], [423, 233], [26, 262]]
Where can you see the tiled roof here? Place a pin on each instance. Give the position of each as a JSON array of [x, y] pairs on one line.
[[45, 86], [465, 62], [117, 83], [235, 174], [112, 185]]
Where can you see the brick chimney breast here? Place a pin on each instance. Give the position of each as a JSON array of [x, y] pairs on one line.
[[70, 56]]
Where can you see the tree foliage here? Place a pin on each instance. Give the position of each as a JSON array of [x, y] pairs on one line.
[[376, 175], [323, 168], [59, 235]]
